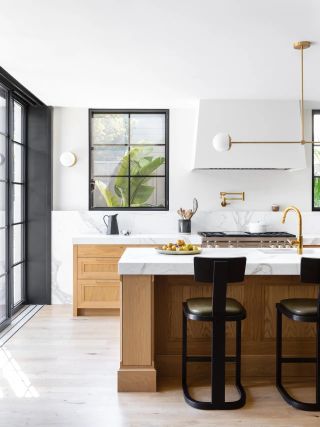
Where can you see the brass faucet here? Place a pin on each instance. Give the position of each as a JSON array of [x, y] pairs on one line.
[[299, 241], [225, 197]]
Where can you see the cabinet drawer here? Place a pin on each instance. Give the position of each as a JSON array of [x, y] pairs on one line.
[[98, 294], [98, 268], [95, 251]]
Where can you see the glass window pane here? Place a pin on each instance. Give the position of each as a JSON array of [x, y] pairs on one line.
[[316, 127], [110, 129], [3, 110], [3, 299], [147, 129], [316, 192], [17, 122], [17, 276], [316, 159], [2, 251], [17, 243], [147, 192], [111, 192], [17, 203], [147, 160], [2, 157], [110, 161], [2, 204], [17, 163]]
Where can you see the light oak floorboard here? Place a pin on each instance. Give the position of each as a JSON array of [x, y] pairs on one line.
[[62, 371]]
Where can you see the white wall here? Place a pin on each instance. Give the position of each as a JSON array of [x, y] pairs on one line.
[[262, 188], [70, 133]]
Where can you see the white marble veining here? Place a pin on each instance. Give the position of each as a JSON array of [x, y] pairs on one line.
[[259, 261], [135, 239], [66, 225]]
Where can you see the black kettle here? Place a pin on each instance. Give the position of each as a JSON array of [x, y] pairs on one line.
[[111, 224]]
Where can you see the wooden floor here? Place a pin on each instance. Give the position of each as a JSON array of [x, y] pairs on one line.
[[61, 371]]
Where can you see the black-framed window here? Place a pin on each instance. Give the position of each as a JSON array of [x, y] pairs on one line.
[[4, 204], [12, 203], [129, 159], [316, 160], [17, 200], [25, 198]]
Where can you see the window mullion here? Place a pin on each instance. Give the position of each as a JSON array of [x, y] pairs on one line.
[[129, 161]]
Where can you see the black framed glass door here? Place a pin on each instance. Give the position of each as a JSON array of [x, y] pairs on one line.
[[4, 219], [17, 178], [25, 198], [12, 204]]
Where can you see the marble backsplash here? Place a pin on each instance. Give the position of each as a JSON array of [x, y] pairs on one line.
[[67, 224]]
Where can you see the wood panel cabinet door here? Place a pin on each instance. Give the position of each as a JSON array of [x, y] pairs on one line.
[[98, 294], [97, 251], [98, 268]]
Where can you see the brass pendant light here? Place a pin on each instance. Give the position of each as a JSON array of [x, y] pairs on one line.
[[223, 142]]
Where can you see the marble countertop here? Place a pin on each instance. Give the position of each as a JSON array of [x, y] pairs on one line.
[[134, 239], [259, 261]]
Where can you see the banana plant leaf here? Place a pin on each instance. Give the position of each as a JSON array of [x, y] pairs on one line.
[[110, 199], [140, 191], [316, 192]]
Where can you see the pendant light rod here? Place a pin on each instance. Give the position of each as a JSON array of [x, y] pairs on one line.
[[302, 46], [223, 142], [302, 100]]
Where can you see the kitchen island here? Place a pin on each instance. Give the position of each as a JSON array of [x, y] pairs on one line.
[[153, 287]]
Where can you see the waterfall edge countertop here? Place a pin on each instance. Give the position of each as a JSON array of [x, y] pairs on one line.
[[146, 261], [134, 239]]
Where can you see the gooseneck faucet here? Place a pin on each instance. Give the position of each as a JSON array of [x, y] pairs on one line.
[[299, 241]]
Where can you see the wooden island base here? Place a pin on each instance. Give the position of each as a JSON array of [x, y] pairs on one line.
[[151, 328]]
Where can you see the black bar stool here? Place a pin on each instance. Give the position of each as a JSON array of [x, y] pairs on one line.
[[218, 310], [300, 310]]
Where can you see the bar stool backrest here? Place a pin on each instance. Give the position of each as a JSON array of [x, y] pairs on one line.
[[204, 269], [310, 270], [310, 273], [219, 272]]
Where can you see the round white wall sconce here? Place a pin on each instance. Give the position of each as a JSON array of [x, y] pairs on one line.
[[68, 159]]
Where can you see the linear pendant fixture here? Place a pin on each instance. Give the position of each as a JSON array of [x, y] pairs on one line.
[[223, 142]]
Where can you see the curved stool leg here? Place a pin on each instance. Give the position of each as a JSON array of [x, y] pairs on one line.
[[286, 396], [239, 386], [279, 350], [211, 405], [184, 350]]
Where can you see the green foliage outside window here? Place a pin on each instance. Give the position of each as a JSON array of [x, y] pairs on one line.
[[118, 194]]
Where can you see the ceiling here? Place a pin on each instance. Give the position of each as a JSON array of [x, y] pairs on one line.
[[130, 53]]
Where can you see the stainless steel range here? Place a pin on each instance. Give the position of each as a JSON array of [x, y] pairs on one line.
[[243, 239]]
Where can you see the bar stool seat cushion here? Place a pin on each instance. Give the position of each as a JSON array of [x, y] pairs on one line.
[[203, 306], [300, 306]]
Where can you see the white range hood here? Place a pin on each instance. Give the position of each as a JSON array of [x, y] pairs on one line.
[[250, 120]]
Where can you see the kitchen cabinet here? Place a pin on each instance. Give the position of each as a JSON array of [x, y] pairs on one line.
[[96, 281]]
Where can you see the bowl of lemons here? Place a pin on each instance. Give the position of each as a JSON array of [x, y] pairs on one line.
[[179, 248]]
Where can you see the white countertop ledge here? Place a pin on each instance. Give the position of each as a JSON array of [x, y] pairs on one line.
[[147, 261], [134, 239]]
